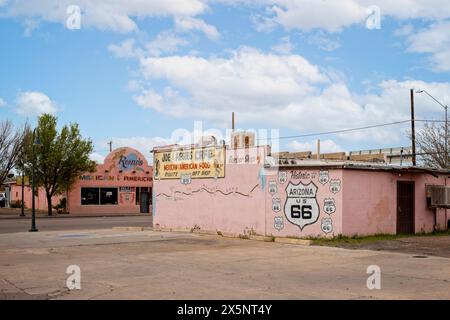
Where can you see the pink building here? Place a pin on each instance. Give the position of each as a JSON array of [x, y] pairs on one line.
[[121, 185], [306, 198]]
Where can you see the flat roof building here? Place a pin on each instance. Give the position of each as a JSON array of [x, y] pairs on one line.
[[246, 191]]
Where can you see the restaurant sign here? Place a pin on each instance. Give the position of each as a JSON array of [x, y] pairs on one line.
[[197, 163]]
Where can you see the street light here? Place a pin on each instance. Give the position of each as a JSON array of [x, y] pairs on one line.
[[36, 142], [446, 124]]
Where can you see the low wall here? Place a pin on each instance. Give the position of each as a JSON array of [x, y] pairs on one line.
[[234, 204], [370, 202], [322, 215]]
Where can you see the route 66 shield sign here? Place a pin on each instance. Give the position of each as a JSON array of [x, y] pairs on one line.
[[335, 185], [327, 225], [276, 204], [282, 177], [185, 179], [301, 207], [324, 176], [329, 205], [273, 187]]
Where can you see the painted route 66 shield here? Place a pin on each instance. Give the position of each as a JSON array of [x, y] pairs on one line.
[[301, 207]]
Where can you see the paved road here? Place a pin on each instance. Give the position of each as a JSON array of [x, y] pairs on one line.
[[8, 225], [157, 265]]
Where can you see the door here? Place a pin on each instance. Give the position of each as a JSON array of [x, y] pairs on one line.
[[145, 202], [405, 207]]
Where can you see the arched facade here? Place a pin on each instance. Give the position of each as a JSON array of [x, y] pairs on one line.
[[121, 185]]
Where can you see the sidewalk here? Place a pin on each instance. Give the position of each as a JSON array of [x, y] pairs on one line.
[[14, 213]]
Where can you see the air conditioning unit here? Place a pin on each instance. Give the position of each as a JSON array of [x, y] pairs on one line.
[[438, 196]]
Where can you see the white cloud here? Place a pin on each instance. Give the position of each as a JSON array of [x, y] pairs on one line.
[[335, 15], [308, 15], [165, 42], [284, 47], [326, 146], [189, 24], [111, 15], [434, 40], [97, 157], [323, 41], [2, 103], [126, 49], [34, 103], [142, 144], [281, 91]]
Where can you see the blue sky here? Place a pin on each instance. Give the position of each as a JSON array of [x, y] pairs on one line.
[[137, 70]]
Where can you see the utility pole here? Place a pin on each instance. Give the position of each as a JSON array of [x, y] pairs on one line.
[[318, 149], [413, 131], [22, 213], [232, 121], [110, 146]]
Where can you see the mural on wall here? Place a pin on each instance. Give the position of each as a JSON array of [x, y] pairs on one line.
[[282, 177], [211, 191], [278, 223], [276, 204], [130, 161], [327, 225], [126, 198], [273, 188], [186, 179], [324, 177], [199, 163], [301, 207], [262, 178], [335, 185], [329, 205], [308, 194]]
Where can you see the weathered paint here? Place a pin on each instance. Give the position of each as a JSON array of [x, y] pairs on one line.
[[253, 199], [123, 167]]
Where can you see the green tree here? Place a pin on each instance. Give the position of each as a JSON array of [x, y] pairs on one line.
[[60, 157]]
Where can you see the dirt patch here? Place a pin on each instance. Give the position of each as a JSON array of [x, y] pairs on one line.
[[438, 246]]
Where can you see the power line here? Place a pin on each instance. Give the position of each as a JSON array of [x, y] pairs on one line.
[[348, 130]]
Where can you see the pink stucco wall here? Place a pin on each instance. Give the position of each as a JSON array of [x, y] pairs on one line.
[[233, 204], [111, 174], [364, 202], [370, 202], [40, 199], [305, 177], [242, 202]]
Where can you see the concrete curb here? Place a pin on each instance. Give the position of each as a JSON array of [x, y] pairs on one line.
[[135, 229], [302, 242], [28, 216]]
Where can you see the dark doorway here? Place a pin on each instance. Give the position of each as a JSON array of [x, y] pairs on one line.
[[405, 207], [145, 202]]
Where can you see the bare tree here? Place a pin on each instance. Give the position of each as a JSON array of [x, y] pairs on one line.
[[11, 140], [431, 146]]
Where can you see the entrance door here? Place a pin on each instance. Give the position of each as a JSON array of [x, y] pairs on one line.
[[405, 207], [145, 202]]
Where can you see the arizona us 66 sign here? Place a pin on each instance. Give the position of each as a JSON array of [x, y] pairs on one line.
[[301, 206]]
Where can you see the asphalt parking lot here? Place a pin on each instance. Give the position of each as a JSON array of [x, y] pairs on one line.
[[115, 264]]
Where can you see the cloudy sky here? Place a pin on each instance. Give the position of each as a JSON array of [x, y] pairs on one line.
[[134, 71]]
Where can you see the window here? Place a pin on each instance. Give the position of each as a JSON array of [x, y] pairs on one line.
[[108, 196], [90, 196], [138, 192], [98, 196]]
